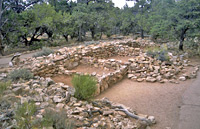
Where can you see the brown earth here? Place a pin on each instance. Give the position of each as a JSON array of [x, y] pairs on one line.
[[88, 69], [63, 78], [122, 58], [160, 100]]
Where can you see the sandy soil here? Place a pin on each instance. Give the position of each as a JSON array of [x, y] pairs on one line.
[[64, 79], [160, 100], [87, 69], [122, 58]]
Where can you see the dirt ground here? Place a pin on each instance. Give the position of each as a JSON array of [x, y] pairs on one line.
[[160, 100], [63, 78], [122, 58], [87, 69]]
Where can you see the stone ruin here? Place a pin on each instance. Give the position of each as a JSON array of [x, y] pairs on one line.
[[99, 113], [138, 67]]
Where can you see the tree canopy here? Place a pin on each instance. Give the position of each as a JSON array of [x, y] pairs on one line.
[[22, 22]]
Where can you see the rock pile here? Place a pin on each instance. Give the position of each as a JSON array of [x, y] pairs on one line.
[[71, 57], [140, 66], [145, 68], [96, 114]]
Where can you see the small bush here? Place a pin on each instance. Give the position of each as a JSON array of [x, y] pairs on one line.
[[3, 86], [24, 115], [20, 74], [45, 52], [158, 53], [58, 120], [85, 86]]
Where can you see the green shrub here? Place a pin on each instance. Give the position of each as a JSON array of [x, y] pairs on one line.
[[20, 74], [160, 53], [36, 45], [58, 120], [24, 115], [45, 52], [85, 86], [3, 86]]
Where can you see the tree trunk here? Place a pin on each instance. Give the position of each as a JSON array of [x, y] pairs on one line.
[[92, 33], [181, 44], [182, 38], [142, 33], [80, 34], [101, 35], [66, 37], [1, 47]]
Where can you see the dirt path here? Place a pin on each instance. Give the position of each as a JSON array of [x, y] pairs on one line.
[[160, 100], [4, 61], [190, 109]]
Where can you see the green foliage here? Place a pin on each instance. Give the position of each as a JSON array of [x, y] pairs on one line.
[[4, 86], [158, 53], [20, 74], [57, 120], [162, 19], [85, 86], [45, 52], [24, 115], [192, 47]]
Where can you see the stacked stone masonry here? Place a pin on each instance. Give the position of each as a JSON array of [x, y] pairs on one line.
[[139, 67]]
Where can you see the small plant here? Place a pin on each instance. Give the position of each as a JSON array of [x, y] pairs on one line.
[[45, 52], [20, 74], [3, 86], [158, 53], [85, 86], [24, 115], [58, 120]]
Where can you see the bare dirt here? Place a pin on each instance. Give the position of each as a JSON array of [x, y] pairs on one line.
[[89, 69], [122, 58], [63, 78], [160, 100]]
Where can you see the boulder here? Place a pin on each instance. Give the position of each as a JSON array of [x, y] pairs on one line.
[[150, 79], [182, 78]]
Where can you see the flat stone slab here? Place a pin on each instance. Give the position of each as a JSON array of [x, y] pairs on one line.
[[189, 117]]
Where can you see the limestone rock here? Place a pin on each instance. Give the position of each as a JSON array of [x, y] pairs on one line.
[[150, 79], [106, 113], [182, 78], [57, 99], [49, 81], [140, 79]]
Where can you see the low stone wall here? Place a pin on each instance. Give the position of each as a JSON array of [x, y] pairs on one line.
[[70, 58], [102, 63], [110, 79], [104, 81]]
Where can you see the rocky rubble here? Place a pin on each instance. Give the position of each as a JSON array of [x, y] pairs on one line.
[[145, 68], [95, 114], [139, 67]]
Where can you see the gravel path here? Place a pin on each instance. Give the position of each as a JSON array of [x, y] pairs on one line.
[[4, 61], [160, 100]]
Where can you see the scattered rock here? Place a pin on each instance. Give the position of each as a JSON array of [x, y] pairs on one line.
[[150, 79], [182, 78], [106, 113]]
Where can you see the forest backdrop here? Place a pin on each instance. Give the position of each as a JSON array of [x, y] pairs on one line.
[[22, 22]]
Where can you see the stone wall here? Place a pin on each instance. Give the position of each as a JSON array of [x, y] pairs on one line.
[[139, 67], [70, 58]]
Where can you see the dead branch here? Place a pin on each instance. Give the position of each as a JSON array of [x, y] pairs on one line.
[[133, 115]]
